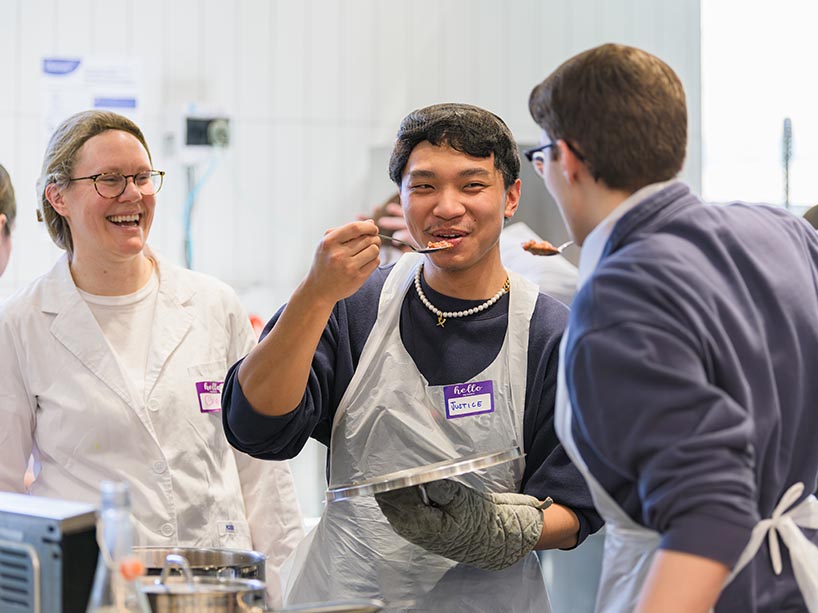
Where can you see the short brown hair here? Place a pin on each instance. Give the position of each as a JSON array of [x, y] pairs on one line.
[[8, 205], [61, 155], [622, 109], [465, 128]]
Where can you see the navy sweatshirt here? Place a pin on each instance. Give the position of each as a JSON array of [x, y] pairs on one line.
[[690, 362], [444, 356]]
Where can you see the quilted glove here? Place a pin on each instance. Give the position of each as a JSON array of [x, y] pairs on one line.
[[490, 531]]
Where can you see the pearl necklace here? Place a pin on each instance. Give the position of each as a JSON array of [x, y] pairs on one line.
[[443, 316]]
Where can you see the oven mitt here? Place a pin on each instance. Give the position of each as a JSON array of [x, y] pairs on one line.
[[490, 531]]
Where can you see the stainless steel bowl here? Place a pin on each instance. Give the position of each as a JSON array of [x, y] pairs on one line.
[[188, 594], [340, 606], [223, 563], [205, 594]]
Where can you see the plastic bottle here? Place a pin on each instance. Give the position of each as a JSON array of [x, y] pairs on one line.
[[112, 592]]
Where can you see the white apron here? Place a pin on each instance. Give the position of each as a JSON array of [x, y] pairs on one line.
[[630, 547], [391, 419]]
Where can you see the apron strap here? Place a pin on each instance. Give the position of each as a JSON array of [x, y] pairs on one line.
[[787, 522]]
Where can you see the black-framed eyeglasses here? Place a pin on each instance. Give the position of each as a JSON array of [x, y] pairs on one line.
[[113, 184], [536, 155]]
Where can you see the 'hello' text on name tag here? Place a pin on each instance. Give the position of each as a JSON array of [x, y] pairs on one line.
[[464, 399]]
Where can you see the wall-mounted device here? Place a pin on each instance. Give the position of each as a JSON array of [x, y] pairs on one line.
[[48, 554], [206, 136], [198, 133], [207, 131]]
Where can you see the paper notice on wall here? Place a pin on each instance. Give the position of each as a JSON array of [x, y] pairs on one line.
[[73, 84]]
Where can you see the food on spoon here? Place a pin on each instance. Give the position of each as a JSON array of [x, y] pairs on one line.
[[540, 247], [444, 244]]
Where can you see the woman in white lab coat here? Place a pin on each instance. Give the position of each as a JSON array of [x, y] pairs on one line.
[[113, 363]]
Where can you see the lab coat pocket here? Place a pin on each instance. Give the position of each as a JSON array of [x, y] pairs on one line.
[[203, 403], [234, 534], [206, 382]]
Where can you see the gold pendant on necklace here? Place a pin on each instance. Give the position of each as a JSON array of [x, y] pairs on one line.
[[441, 321]]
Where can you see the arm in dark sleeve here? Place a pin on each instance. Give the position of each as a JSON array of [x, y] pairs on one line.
[[548, 470], [643, 402], [282, 437], [336, 357]]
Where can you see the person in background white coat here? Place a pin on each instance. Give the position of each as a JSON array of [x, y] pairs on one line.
[[113, 363], [8, 212]]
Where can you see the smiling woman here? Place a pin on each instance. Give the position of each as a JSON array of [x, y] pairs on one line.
[[116, 360], [105, 217], [67, 150]]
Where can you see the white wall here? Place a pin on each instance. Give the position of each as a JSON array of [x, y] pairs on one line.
[[745, 103], [312, 87]]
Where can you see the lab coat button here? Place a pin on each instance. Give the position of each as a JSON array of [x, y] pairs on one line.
[[159, 467], [167, 530], [153, 405]]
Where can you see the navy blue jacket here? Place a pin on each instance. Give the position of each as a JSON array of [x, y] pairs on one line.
[[691, 363]]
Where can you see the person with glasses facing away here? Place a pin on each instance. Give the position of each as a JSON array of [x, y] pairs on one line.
[[687, 392], [113, 363], [8, 212], [437, 357]]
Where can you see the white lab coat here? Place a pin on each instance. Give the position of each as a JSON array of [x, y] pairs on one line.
[[63, 396]]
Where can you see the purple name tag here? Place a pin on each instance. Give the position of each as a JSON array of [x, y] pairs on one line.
[[468, 399], [210, 395]]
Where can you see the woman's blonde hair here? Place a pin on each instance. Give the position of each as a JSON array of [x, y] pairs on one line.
[[61, 155]]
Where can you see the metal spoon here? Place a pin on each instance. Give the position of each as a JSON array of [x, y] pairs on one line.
[[562, 247], [557, 250], [412, 247]]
